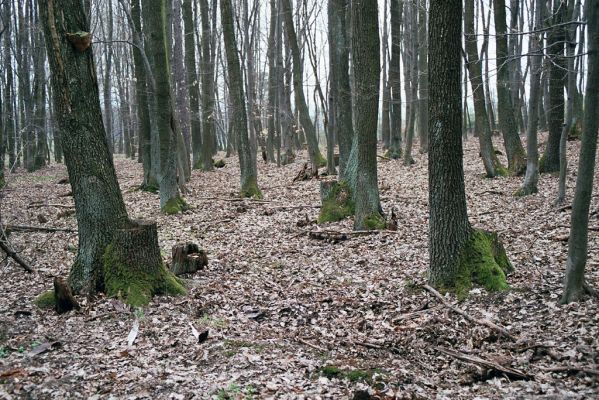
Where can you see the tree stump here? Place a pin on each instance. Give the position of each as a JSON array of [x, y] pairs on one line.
[[64, 300], [188, 258], [133, 267]]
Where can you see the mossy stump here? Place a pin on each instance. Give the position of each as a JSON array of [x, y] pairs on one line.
[[187, 259], [133, 267], [175, 206], [337, 202]]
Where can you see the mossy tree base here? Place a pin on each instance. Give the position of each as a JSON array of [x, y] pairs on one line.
[[372, 222], [45, 300], [148, 187], [526, 190], [133, 268], [320, 160], [518, 165], [546, 167], [482, 262], [337, 202], [175, 206], [250, 189], [394, 154]]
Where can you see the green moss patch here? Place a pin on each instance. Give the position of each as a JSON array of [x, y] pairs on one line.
[[374, 222], [337, 205], [251, 190], [220, 163], [134, 286], [46, 300], [393, 154], [175, 206], [483, 262], [320, 160]]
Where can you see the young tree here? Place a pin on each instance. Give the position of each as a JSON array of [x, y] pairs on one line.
[[507, 121], [574, 286], [316, 158], [115, 254], [458, 253], [366, 57], [153, 16], [475, 72], [238, 120], [395, 79], [532, 162]]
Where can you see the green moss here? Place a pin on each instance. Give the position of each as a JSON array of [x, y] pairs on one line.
[[337, 205], [320, 160], [374, 222], [483, 262], [358, 375], [2, 182], [175, 206], [502, 171], [46, 300], [525, 191], [136, 287], [220, 163], [331, 371], [149, 188], [393, 154], [251, 190]]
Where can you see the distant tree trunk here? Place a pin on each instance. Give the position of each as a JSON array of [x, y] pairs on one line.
[[532, 162], [339, 45], [249, 176], [366, 58], [574, 285], [395, 79], [108, 50], [273, 100], [9, 124], [150, 180], [99, 204], [39, 96], [423, 77], [316, 158], [411, 77], [481, 119], [193, 83], [181, 91], [550, 160], [385, 118], [570, 36], [153, 12], [458, 253], [207, 75], [507, 122]]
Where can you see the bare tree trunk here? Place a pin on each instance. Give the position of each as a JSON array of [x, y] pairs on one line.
[[574, 285]]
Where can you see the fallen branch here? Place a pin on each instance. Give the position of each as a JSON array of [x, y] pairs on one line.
[[508, 371], [311, 345], [12, 254], [30, 228], [39, 205], [457, 310], [236, 199]]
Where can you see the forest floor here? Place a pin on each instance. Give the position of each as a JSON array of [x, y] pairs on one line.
[[292, 317]]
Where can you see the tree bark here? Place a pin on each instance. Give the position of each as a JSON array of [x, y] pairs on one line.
[[507, 122], [153, 14], [316, 157], [366, 58], [550, 160], [207, 76], [249, 176], [396, 8], [574, 285], [481, 118]]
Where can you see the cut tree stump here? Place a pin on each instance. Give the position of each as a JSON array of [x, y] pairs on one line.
[[188, 258], [65, 301], [133, 267]]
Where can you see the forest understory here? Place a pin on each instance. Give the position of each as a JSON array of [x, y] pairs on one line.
[[289, 316]]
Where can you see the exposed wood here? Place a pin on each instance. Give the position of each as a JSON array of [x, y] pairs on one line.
[[508, 371], [187, 259], [457, 310], [64, 296]]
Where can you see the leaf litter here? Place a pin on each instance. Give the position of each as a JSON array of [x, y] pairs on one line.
[[291, 317]]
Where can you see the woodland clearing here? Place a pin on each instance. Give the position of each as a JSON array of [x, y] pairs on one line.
[[289, 316]]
